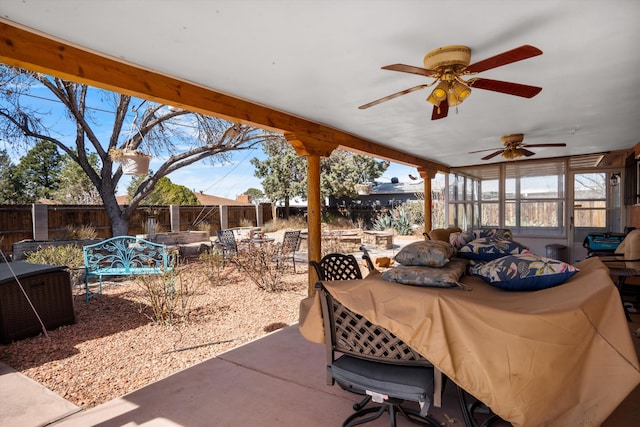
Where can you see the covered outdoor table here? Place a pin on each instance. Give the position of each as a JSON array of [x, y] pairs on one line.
[[561, 356]]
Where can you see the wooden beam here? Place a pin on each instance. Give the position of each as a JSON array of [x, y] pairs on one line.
[[308, 147], [26, 48]]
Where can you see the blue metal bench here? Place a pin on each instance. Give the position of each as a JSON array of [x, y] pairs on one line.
[[124, 256]]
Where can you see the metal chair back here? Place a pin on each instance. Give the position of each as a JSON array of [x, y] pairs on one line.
[[227, 241], [290, 244], [336, 266]]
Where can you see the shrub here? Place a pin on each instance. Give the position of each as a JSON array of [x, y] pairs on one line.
[[213, 265], [261, 264], [383, 221], [202, 226], [68, 255], [398, 219], [169, 296], [292, 223], [415, 210], [338, 222], [244, 222], [81, 232], [402, 222]]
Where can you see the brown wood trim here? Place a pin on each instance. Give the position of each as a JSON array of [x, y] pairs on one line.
[[26, 48], [309, 147]]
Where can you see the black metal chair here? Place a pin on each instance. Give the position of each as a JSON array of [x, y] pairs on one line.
[[290, 244], [474, 412], [337, 266], [227, 243], [368, 360]]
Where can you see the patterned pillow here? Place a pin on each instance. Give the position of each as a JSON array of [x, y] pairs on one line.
[[490, 248], [425, 253], [524, 272], [441, 277], [499, 233], [459, 239]]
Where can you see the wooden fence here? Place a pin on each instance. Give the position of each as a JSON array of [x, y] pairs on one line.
[[17, 221]]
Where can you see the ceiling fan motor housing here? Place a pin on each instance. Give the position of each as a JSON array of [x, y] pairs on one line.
[[512, 139], [448, 57]]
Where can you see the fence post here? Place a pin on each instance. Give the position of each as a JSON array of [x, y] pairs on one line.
[[174, 214], [40, 220], [259, 215], [224, 217]]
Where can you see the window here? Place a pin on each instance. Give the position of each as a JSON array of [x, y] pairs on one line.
[[468, 190], [590, 200], [534, 197], [532, 201]]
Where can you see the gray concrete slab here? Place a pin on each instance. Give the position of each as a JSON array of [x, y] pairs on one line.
[[25, 403]]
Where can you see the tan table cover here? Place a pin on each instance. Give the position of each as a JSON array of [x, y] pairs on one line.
[[556, 357]]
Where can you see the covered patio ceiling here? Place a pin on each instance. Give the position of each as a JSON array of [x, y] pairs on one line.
[[306, 66]]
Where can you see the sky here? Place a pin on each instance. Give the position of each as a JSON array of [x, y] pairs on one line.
[[223, 180]]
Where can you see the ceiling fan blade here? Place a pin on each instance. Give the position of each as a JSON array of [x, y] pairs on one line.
[[410, 69], [481, 151], [492, 155], [509, 88], [526, 152], [393, 95], [560, 144], [440, 112], [514, 55]]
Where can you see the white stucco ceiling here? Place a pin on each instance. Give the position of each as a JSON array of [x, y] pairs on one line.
[[320, 60]]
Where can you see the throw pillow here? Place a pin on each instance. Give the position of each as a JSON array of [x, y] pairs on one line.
[[524, 272], [459, 239], [441, 277], [426, 253], [499, 233], [490, 248]]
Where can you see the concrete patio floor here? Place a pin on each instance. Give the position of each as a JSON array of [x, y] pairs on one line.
[[276, 380]]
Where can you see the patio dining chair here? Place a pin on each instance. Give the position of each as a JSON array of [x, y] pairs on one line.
[[368, 360], [290, 244], [337, 266], [227, 243]]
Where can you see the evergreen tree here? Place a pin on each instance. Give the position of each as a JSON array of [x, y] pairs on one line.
[[283, 173], [75, 186], [165, 192], [38, 172], [8, 192]]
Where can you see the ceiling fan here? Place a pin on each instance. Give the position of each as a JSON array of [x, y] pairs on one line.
[[447, 65], [513, 147]]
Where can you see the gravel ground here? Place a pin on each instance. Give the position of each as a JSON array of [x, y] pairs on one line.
[[114, 348]]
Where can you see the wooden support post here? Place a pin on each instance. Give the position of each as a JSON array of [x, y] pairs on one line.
[[427, 175], [313, 150], [314, 216]]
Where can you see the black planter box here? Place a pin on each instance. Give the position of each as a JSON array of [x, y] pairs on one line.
[[49, 290]]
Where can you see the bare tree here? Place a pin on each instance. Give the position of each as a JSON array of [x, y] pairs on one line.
[[187, 137]]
